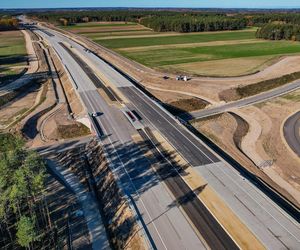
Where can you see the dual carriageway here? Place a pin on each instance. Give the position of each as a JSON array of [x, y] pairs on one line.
[[185, 225]]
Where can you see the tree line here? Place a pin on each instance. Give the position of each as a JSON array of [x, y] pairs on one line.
[[278, 26], [184, 21], [72, 17], [8, 23], [265, 18], [24, 211], [194, 23], [157, 20], [279, 31]]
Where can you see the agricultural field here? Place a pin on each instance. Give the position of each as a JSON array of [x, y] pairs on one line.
[[226, 53], [99, 30], [12, 54]]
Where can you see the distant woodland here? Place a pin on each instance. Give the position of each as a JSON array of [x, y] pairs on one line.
[[8, 23], [272, 25], [194, 23], [279, 31]]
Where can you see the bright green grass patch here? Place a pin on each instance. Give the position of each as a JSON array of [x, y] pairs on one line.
[[13, 50], [180, 39], [12, 53], [12, 43], [161, 57]]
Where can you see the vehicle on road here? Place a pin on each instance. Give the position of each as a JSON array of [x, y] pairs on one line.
[[181, 78], [95, 114], [131, 116]]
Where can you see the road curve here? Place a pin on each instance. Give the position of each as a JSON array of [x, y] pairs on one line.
[[291, 131], [243, 102]]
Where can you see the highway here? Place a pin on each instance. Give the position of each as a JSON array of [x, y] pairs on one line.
[[213, 233], [266, 220], [291, 130], [241, 103], [167, 226], [202, 219]]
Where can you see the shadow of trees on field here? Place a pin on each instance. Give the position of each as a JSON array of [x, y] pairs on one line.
[[13, 93], [36, 77], [12, 59]]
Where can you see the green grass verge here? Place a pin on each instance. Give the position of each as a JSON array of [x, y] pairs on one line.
[[180, 39], [7, 98], [162, 57], [254, 89], [185, 105], [295, 96], [72, 130]]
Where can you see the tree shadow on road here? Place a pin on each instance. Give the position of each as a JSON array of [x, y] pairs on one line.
[[124, 180]]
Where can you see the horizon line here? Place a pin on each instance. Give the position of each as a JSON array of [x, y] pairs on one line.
[[125, 7]]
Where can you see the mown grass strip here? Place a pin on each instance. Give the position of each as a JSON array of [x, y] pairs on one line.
[[256, 88], [162, 57], [180, 39]]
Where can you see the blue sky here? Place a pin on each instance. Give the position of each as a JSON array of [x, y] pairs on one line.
[[150, 3]]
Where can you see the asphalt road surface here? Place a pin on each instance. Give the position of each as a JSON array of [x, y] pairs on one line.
[[267, 221], [166, 226], [211, 231], [242, 103], [291, 131]]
